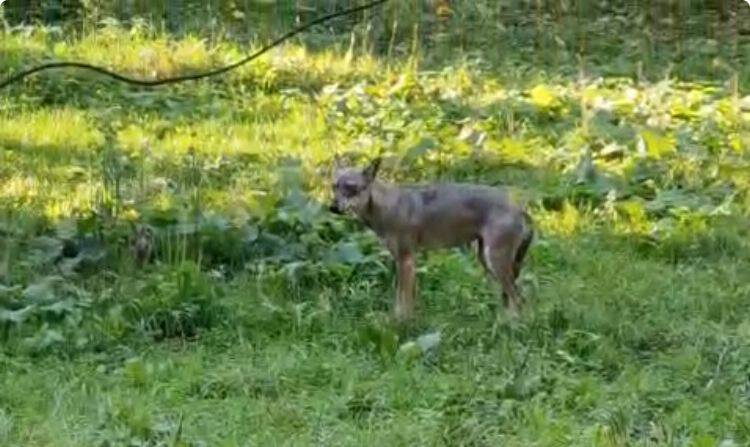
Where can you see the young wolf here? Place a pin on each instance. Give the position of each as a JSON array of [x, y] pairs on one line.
[[409, 218]]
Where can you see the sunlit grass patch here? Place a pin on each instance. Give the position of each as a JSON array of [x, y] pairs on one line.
[[263, 318], [16, 50], [292, 64], [62, 132], [149, 55], [296, 131], [143, 57], [567, 222], [45, 197], [205, 138]]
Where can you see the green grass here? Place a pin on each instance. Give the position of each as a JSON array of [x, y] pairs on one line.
[[264, 320]]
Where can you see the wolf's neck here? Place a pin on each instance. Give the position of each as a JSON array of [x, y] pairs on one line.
[[379, 210]]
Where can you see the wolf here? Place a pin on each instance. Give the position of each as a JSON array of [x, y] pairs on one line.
[[410, 218]]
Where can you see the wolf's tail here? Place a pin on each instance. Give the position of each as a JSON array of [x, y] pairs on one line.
[[528, 237]]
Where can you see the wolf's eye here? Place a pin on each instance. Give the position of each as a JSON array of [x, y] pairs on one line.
[[348, 189]]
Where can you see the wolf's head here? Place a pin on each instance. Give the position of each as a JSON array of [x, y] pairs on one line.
[[352, 188]]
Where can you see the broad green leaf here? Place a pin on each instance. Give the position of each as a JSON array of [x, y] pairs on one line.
[[42, 291], [60, 307], [16, 316], [513, 149], [656, 144], [704, 441], [8, 290], [602, 126], [66, 228], [135, 371], [424, 146], [410, 350], [44, 249], [735, 142], [472, 136], [427, 342], [48, 338], [585, 171], [543, 97], [674, 199], [345, 253]]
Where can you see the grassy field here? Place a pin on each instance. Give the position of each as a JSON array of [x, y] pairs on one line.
[[263, 319]]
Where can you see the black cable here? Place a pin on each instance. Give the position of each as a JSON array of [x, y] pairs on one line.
[[191, 77]]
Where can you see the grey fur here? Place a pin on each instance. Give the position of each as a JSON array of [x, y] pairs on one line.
[[413, 217]]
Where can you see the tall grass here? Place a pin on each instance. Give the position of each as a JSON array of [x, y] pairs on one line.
[[262, 319]]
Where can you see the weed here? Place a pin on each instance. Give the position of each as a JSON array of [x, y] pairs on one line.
[[259, 318]]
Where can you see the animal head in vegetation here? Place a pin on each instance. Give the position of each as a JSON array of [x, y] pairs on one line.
[[352, 187], [141, 244]]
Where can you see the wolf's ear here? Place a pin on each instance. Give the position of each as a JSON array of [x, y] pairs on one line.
[[336, 165], [371, 171], [337, 161]]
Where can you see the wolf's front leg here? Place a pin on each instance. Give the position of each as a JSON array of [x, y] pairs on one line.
[[405, 285]]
